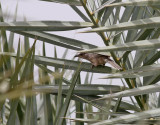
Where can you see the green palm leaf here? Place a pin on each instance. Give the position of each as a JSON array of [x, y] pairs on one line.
[[148, 70], [79, 89], [136, 45], [135, 3], [57, 40], [44, 25], [131, 117], [137, 24]]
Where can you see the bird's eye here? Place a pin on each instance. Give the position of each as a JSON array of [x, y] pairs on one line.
[[82, 54]]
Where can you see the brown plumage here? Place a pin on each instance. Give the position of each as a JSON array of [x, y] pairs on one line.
[[98, 59]]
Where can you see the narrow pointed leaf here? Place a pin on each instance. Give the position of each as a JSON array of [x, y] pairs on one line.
[[83, 120], [14, 103], [101, 108], [11, 36], [80, 13], [135, 3], [54, 74], [134, 92], [136, 45], [79, 89], [44, 25], [79, 105], [18, 68], [30, 116], [104, 5], [7, 61], [57, 40], [131, 117], [68, 98], [59, 97], [137, 24], [101, 104], [154, 58], [148, 70], [48, 114]]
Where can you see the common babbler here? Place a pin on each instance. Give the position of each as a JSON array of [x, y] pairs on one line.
[[98, 59]]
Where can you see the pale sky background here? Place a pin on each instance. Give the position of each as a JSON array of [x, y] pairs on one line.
[[35, 10]]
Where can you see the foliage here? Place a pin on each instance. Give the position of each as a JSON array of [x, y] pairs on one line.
[[130, 31]]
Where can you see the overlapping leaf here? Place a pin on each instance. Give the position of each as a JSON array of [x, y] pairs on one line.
[[136, 45], [79, 89], [131, 117], [148, 70], [137, 24], [132, 3], [133, 92], [69, 94], [105, 4], [100, 104], [57, 40], [44, 25]]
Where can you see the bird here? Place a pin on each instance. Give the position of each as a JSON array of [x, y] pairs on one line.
[[98, 59]]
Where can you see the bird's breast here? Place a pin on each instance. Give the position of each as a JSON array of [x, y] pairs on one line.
[[98, 61]]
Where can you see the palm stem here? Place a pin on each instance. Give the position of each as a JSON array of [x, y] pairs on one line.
[[106, 42]]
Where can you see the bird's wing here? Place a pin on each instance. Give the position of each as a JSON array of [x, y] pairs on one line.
[[113, 64], [104, 56]]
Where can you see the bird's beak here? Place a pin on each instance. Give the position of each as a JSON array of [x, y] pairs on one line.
[[77, 55]]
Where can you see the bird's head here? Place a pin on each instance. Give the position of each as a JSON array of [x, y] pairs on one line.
[[80, 55]]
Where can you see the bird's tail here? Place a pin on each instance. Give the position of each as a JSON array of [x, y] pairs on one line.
[[114, 64]]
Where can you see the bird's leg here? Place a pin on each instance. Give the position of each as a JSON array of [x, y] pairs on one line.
[[92, 66]]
